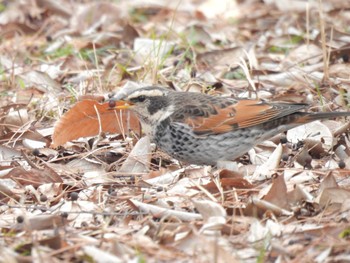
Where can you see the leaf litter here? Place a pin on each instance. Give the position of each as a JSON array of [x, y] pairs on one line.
[[78, 182]]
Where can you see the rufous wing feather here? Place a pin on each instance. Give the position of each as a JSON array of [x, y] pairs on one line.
[[243, 114]]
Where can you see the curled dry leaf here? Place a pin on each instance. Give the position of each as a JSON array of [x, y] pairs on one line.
[[6, 193], [86, 118], [214, 215], [268, 168], [209, 209], [159, 212], [167, 178], [315, 130], [264, 206], [139, 159]]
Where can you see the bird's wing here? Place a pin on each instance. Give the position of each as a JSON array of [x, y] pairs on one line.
[[220, 118]]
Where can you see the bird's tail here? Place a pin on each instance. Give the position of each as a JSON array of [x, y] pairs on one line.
[[308, 117]]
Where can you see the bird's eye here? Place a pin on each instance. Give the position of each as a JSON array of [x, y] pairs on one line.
[[141, 98]]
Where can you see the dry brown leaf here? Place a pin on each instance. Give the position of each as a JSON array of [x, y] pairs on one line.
[[278, 193], [328, 182], [40, 222], [209, 208], [139, 159], [100, 255], [298, 195], [54, 242], [159, 212], [268, 168], [225, 173], [339, 71], [227, 183], [129, 33], [259, 207], [99, 15], [34, 176], [8, 154], [6, 193], [315, 130], [333, 196], [82, 121], [56, 7], [41, 81], [305, 53], [331, 193], [219, 57]]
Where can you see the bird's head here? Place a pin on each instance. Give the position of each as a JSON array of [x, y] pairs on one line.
[[151, 104]]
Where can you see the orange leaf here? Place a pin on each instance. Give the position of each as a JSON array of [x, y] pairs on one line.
[[83, 120], [227, 183]]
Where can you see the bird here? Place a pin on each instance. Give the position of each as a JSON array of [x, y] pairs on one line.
[[202, 129]]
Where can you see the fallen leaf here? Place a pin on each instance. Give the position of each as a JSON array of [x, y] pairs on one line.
[[278, 193], [314, 130], [6, 193], [34, 176], [333, 196], [98, 255], [160, 212], [227, 184], [84, 120], [139, 159], [268, 168], [41, 222]]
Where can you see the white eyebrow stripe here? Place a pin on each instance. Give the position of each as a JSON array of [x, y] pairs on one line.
[[148, 93]]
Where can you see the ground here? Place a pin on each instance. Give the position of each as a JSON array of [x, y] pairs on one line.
[[79, 183]]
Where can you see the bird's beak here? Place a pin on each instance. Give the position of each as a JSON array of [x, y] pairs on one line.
[[122, 105]]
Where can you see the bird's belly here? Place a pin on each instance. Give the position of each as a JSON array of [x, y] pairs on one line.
[[185, 146]]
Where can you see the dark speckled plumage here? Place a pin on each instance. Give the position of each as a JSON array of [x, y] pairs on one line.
[[202, 129]]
